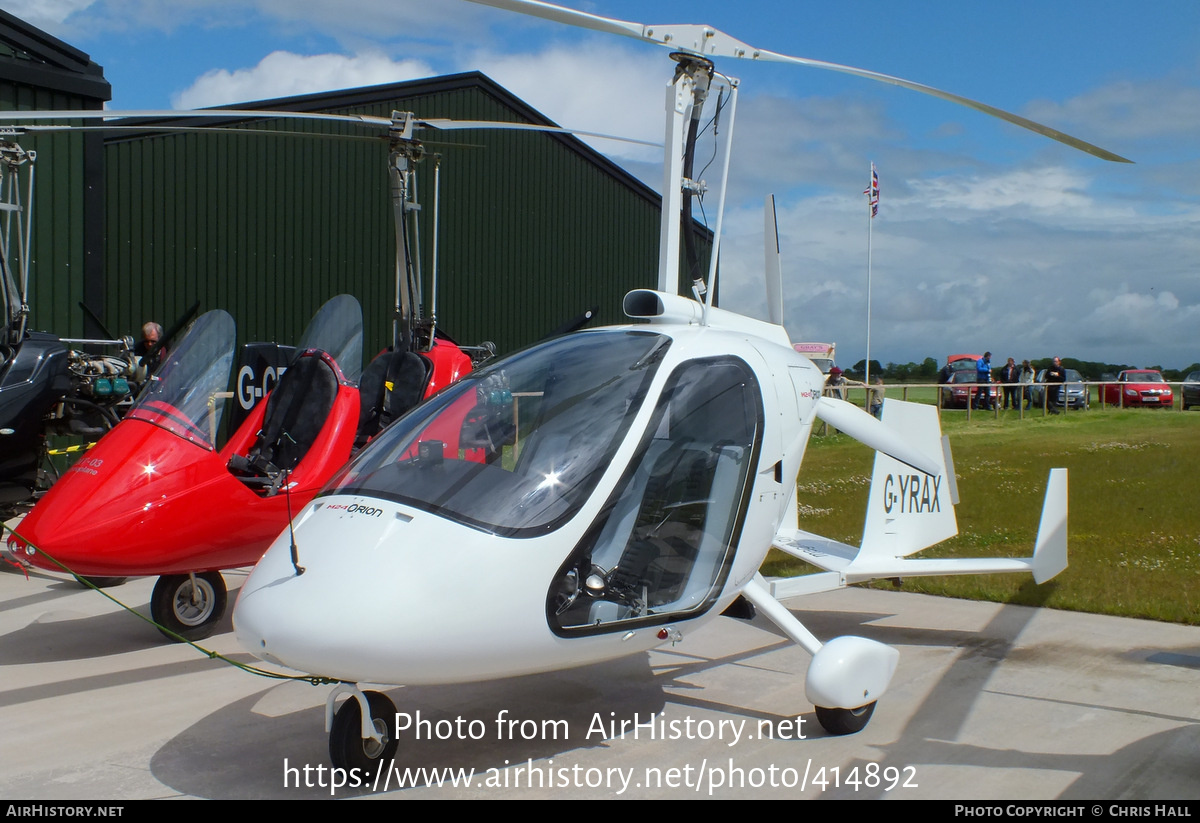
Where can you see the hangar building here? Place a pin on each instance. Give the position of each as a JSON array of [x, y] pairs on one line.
[[534, 228]]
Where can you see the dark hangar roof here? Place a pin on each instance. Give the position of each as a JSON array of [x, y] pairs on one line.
[[32, 57]]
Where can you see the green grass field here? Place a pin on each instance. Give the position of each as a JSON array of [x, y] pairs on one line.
[[1134, 517]]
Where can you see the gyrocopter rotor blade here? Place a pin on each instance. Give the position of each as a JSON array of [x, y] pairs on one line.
[[709, 42], [134, 119]]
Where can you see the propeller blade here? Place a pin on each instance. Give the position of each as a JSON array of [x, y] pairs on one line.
[[34, 130], [105, 114], [99, 323], [709, 42], [448, 125], [570, 17], [774, 269], [370, 121], [574, 324], [170, 334]]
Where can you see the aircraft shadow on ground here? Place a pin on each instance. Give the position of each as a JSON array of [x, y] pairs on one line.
[[49, 640], [1160, 765], [236, 753]]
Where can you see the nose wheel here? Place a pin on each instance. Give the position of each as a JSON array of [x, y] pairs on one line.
[[348, 749], [845, 721], [190, 605]]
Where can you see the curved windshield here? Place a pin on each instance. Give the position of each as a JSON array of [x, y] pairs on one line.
[[337, 328], [516, 448], [181, 396]]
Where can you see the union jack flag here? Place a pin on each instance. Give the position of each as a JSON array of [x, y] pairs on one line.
[[872, 191]]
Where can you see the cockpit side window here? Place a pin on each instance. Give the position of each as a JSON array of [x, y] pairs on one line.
[[660, 551]]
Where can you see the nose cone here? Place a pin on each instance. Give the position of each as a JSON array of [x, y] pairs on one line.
[[393, 595], [118, 510]]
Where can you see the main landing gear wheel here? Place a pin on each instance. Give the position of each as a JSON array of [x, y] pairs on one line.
[[845, 721], [190, 611], [348, 749]]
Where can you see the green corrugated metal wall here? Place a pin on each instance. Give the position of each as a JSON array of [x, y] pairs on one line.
[[56, 274], [534, 228]]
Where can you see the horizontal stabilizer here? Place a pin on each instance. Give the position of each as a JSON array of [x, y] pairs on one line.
[[822, 552], [843, 567], [867, 430]]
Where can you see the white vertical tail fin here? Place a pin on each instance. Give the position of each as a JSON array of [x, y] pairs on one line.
[[909, 510]]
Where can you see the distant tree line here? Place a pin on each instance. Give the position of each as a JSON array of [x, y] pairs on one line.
[[926, 371]]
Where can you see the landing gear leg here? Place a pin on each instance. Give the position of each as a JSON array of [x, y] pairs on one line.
[[843, 672]]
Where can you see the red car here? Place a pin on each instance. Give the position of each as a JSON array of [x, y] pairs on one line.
[[961, 389], [1138, 387]]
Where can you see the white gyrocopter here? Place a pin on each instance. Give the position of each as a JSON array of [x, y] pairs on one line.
[[609, 491]]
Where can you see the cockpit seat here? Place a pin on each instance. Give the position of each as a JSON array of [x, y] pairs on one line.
[[391, 385], [296, 412]]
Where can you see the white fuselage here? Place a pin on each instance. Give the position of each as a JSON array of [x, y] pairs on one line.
[[394, 592]]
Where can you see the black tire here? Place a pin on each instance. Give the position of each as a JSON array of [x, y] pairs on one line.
[[102, 582], [347, 748], [173, 607], [845, 721]]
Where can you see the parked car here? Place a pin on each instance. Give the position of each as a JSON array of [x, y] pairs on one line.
[[1138, 387], [962, 362], [1074, 395], [962, 387], [1191, 390]]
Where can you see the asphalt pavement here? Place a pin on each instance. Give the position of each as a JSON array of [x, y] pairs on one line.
[[989, 702]]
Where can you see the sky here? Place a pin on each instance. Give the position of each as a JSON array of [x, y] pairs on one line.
[[988, 237]]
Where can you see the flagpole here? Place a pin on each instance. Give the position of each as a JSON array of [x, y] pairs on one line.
[[867, 362], [872, 193]]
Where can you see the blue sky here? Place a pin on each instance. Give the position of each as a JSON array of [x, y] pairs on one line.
[[988, 237]]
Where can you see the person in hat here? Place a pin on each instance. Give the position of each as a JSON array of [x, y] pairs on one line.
[[835, 384]]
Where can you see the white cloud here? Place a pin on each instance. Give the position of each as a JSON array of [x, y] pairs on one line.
[[1041, 190], [1130, 110], [592, 86], [45, 14], [283, 74]]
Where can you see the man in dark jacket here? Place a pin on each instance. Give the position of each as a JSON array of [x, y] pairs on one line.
[[1056, 375], [1010, 375]]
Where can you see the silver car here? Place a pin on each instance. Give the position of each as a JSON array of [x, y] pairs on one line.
[[1077, 395]]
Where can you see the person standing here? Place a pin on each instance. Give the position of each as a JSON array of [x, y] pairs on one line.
[[151, 350], [983, 376], [1027, 375], [835, 384], [1010, 375], [1056, 376], [875, 397]]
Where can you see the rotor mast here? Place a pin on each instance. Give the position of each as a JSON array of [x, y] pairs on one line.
[[686, 94], [404, 154], [20, 213]]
